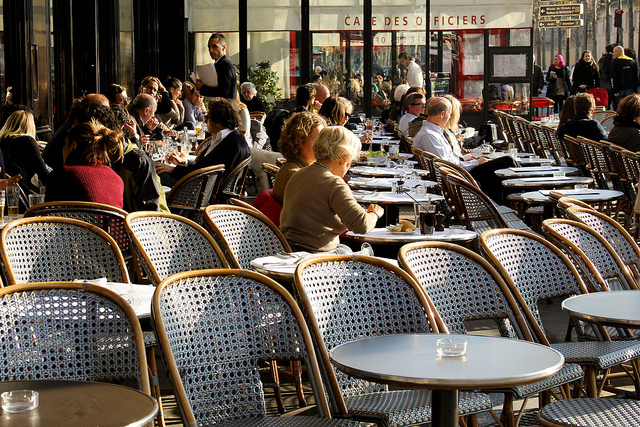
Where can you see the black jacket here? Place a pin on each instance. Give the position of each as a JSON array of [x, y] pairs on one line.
[[582, 126], [584, 74], [562, 73], [227, 84]]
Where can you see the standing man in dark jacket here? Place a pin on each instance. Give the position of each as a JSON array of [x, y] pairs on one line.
[[624, 76], [538, 79], [227, 84]]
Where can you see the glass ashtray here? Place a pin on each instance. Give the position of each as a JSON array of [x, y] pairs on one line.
[[19, 400], [451, 347]]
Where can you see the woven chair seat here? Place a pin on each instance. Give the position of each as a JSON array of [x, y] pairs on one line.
[[569, 373], [149, 338], [288, 422], [411, 407], [591, 412], [603, 354]]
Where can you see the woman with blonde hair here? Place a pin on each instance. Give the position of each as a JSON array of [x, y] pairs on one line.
[[453, 124], [20, 151], [245, 120], [296, 142], [318, 204], [85, 175]]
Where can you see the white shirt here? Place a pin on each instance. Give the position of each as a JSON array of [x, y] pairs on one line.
[[431, 138], [403, 125], [414, 75]]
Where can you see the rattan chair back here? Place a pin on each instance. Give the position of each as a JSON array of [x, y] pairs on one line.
[[534, 269], [107, 217], [53, 249], [619, 239], [349, 297], [591, 253], [233, 184], [244, 234], [70, 331], [214, 327], [271, 171], [167, 244], [195, 191], [462, 286], [607, 122]]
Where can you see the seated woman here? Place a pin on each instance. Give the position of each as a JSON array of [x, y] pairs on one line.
[[85, 176], [296, 141], [20, 151], [318, 204], [626, 124], [336, 111], [582, 124], [248, 94], [226, 146]]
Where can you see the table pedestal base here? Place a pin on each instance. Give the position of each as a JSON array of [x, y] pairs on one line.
[[444, 408]]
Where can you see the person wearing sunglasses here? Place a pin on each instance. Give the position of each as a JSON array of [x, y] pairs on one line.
[[416, 103]]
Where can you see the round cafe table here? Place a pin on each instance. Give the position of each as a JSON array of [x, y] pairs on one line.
[[534, 171], [386, 237], [81, 403], [382, 172], [385, 184], [411, 360], [546, 182], [391, 201], [615, 308]]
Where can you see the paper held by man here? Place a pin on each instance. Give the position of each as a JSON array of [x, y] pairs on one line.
[[207, 73]]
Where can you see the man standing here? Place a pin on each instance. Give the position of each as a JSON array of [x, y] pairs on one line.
[[227, 84], [624, 76], [414, 72], [415, 106], [538, 78], [431, 138]]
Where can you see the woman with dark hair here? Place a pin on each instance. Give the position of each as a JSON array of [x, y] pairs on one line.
[[336, 110], [295, 144], [225, 146], [85, 176], [568, 111], [558, 82], [626, 124], [586, 74]]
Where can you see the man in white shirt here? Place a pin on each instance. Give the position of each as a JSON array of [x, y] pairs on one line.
[[416, 103], [414, 72], [431, 138]]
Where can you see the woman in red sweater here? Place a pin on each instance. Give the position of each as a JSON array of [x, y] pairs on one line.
[[85, 175]]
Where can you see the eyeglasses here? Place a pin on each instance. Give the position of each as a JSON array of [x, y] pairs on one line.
[[421, 104]]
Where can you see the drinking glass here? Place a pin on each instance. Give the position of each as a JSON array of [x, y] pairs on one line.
[[2, 203], [13, 200]]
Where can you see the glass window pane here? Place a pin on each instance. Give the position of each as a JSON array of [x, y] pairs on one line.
[[471, 69], [278, 48], [520, 37]]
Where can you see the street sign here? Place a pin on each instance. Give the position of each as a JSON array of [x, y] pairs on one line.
[[560, 23], [561, 10]]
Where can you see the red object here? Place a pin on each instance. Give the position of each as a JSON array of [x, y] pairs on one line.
[[601, 96], [269, 206]]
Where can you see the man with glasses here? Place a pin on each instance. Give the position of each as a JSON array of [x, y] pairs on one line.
[[227, 84], [416, 103], [431, 138], [117, 94]]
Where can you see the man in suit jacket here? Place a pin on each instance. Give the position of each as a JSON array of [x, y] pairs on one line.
[[227, 146], [227, 84]]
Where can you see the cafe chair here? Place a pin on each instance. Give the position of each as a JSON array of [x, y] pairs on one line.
[[166, 244], [47, 249], [478, 211], [566, 202], [463, 287], [233, 184], [534, 270], [619, 239], [195, 191], [107, 217], [271, 171], [70, 331], [349, 297], [591, 412], [591, 254], [214, 327], [244, 234], [241, 203], [607, 123]]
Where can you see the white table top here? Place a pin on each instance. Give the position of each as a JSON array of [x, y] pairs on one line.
[[585, 195], [386, 183], [138, 296], [411, 360], [533, 171], [382, 171], [7, 219], [387, 197], [615, 308], [382, 235], [546, 181]]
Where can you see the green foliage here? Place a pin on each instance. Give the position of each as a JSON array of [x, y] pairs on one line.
[[266, 82]]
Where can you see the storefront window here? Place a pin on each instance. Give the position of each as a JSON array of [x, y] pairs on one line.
[[3, 84], [126, 46]]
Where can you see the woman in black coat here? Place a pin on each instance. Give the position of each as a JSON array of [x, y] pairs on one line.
[[586, 74], [558, 82]]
